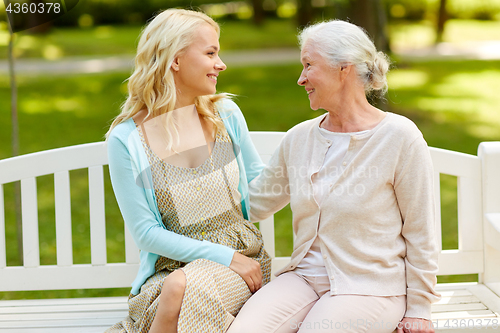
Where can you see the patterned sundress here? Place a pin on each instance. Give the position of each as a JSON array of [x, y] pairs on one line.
[[201, 203]]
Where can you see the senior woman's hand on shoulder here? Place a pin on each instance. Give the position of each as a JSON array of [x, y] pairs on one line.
[[415, 325]]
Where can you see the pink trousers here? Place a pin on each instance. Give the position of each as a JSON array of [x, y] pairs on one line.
[[296, 303]]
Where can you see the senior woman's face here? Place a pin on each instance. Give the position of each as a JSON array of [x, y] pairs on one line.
[[319, 78]]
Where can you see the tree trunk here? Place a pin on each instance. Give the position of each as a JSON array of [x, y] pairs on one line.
[[15, 135], [442, 17], [304, 13], [370, 14], [40, 23], [381, 38], [361, 13], [258, 12]]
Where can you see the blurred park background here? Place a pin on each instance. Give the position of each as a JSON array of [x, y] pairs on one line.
[[445, 76]]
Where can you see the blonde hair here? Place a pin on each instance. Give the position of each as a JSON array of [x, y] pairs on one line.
[[341, 42], [151, 86]]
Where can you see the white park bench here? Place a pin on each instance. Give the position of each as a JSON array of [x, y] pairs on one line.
[[465, 307]]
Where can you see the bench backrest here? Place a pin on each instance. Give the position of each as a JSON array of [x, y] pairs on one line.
[[467, 259], [64, 275]]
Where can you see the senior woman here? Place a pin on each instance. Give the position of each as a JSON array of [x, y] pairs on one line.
[[359, 181]]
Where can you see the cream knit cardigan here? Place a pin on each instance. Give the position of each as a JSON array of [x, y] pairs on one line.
[[376, 228]]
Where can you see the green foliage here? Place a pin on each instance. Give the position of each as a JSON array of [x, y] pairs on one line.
[[414, 35], [111, 12], [459, 9], [407, 9], [479, 10]]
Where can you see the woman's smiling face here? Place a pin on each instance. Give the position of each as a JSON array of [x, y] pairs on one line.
[[197, 68], [320, 79]]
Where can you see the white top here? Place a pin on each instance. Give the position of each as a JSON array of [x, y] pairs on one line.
[[322, 181]]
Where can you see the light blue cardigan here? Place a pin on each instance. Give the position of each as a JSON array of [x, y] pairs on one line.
[[131, 180]]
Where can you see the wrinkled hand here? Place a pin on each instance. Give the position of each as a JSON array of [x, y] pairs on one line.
[[248, 269], [415, 325]]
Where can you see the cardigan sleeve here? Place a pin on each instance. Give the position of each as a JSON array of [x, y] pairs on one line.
[[238, 130], [148, 232], [270, 191], [413, 186], [251, 159]]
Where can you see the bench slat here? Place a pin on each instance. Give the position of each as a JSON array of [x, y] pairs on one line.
[[464, 314], [64, 239], [465, 299], [111, 301], [68, 322], [455, 163], [267, 229], [3, 249], [62, 308], [97, 216], [62, 315], [32, 312], [470, 209], [458, 307], [266, 142], [31, 249], [451, 293], [51, 277], [492, 230], [54, 160], [93, 329], [460, 262], [278, 263]]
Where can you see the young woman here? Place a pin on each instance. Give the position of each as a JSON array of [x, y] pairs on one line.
[[180, 160]]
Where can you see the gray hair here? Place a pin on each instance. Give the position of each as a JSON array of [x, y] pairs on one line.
[[340, 43]]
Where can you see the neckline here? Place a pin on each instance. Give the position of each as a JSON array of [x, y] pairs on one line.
[[327, 132], [156, 157], [363, 135]]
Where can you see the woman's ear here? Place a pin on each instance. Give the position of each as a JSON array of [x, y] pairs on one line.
[[175, 64], [345, 69]]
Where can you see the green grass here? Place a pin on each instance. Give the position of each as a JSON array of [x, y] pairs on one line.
[[111, 40], [59, 43], [453, 103], [413, 35], [457, 97], [471, 30], [57, 112]]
